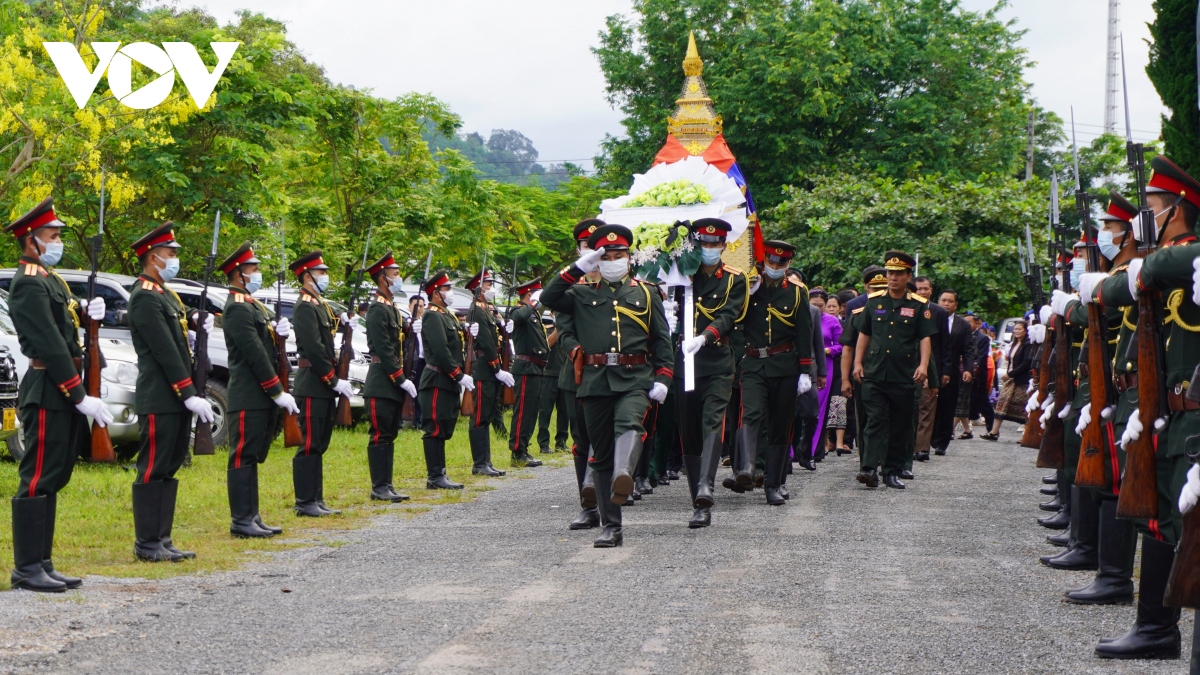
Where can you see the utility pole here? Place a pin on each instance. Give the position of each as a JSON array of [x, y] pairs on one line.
[[1112, 74], [1029, 147]]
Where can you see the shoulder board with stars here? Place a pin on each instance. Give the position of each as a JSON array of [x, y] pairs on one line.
[[876, 294], [918, 298], [732, 270], [856, 311]]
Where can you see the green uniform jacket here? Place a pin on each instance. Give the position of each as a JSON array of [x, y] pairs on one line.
[[564, 323], [386, 346], [720, 302], [487, 343], [1169, 270], [778, 315], [43, 312], [253, 381], [896, 328], [315, 326], [158, 326], [624, 317], [558, 355], [1114, 292], [529, 339], [443, 340]]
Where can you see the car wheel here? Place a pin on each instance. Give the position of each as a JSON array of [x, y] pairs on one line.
[[218, 396], [16, 446]]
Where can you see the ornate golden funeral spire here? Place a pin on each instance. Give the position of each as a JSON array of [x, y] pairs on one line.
[[695, 122]]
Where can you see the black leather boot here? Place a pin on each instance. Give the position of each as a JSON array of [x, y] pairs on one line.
[[380, 461], [1050, 490], [241, 503], [524, 460], [1195, 664], [626, 452], [167, 518], [47, 554], [1062, 539], [1114, 584], [1052, 479], [481, 452], [774, 474], [147, 528], [610, 512], [710, 459], [747, 458], [1062, 519], [587, 493], [586, 520], [29, 545], [701, 516], [325, 510], [1053, 506], [1155, 633], [435, 466], [868, 477], [1085, 523], [642, 486], [893, 481], [257, 515], [305, 470]]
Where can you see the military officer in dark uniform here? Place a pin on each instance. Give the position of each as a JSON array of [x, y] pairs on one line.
[[255, 390], [317, 386], [442, 380], [386, 382], [721, 296], [874, 279], [484, 327], [778, 355], [166, 399], [51, 402], [891, 359], [531, 347], [626, 360], [552, 400]]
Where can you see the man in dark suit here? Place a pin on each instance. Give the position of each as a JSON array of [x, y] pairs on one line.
[[960, 352], [939, 362], [981, 404]]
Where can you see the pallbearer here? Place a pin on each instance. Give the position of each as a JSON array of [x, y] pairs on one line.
[[51, 401], [255, 391], [386, 380], [166, 399], [531, 355], [484, 327], [317, 385], [442, 380]]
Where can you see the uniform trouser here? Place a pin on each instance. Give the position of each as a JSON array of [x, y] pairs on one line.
[[52, 442], [528, 394], [316, 424], [439, 412], [943, 419], [608, 418], [700, 413], [889, 429], [250, 436], [851, 436], [580, 445], [164, 445], [384, 417], [768, 404], [487, 403], [910, 447], [733, 416], [860, 416], [552, 401], [665, 437], [926, 411], [981, 404], [1172, 463]]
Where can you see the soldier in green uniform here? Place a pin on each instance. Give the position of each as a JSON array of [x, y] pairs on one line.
[[442, 380], [52, 404], [553, 402], [778, 355], [255, 390], [386, 382], [317, 386], [874, 280], [721, 295], [531, 347], [484, 327], [891, 358], [166, 399], [626, 359]]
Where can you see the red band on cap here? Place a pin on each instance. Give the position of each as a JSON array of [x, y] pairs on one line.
[[309, 265], [1169, 184], [1118, 212], [164, 238], [43, 219], [241, 259]]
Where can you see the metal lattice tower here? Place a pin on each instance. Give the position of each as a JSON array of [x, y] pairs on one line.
[[1113, 74]]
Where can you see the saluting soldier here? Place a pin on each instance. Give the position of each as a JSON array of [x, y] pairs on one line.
[[891, 359], [317, 385], [255, 390], [484, 327], [552, 400], [442, 380], [52, 402], [721, 296], [778, 355], [387, 383], [626, 356], [531, 355], [166, 398]]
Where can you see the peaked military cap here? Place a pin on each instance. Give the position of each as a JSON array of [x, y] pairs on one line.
[[711, 229], [528, 287], [41, 215], [439, 279], [304, 263], [244, 255], [484, 275], [614, 237], [898, 261], [874, 275], [585, 228], [163, 235], [1119, 208], [387, 262], [1166, 176], [778, 251]]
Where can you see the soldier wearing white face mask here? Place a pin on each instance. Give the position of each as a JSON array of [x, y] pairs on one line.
[[490, 376]]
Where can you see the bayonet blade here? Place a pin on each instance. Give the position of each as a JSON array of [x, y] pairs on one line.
[[216, 232], [103, 177], [1125, 86], [1074, 149]]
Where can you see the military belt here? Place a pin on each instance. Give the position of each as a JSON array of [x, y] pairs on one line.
[[540, 363], [1177, 399], [1126, 382], [764, 352], [614, 359], [38, 364], [305, 363]]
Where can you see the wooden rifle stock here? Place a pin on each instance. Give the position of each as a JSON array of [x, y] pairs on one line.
[[408, 412], [283, 368], [468, 400], [1183, 584], [1032, 436], [102, 447], [1089, 471], [344, 419], [1139, 487], [1052, 452]]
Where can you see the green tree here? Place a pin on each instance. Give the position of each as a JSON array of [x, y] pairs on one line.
[[1172, 69]]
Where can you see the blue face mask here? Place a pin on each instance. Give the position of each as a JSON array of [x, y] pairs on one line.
[[396, 285], [255, 282], [1078, 267], [171, 269], [1104, 239], [773, 273], [54, 251], [710, 256], [322, 283]]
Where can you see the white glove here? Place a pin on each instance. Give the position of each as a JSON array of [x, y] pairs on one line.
[[467, 382], [658, 392], [192, 340], [288, 403], [1044, 315], [1085, 416], [505, 378], [283, 327], [95, 409], [409, 388], [416, 325], [670, 306], [200, 406], [473, 328], [757, 282], [345, 319], [693, 345], [1045, 418], [1133, 430], [1059, 300], [1032, 404], [94, 308], [208, 321], [1065, 412], [1196, 284], [1032, 388], [508, 327], [1132, 274], [1088, 282], [804, 384], [342, 387], [1037, 333], [588, 262], [1191, 489]]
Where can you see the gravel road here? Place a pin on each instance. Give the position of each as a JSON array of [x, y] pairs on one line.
[[940, 578]]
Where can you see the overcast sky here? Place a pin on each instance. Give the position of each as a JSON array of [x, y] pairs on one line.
[[526, 64]]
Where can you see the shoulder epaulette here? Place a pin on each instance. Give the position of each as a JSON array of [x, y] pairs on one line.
[[918, 298], [150, 286], [238, 297], [32, 268], [856, 311], [876, 294], [732, 270]]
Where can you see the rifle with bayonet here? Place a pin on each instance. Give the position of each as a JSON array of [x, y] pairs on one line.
[[204, 441], [1031, 437], [344, 418], [467, 409], [102, 447], [283, 367], [1052, 452], [509, 397], [408, 411]]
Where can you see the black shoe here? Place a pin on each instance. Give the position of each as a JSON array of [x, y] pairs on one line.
[[774, 498], [1052, 479], [892, 481], [906, 474], [700, 518], [269, 528], [386, 494], [560, 448], [661, 480], [486, 470], [441, 482], [325, 510], [167, 518], [1058, 521], [610, 537], [1052, 505], [941, 452], [807, 463], [1058, 539], [731, 484], [1069, 560], [48, 548], [869, 477], [922, 456], [642, 486], [1155, 634], [525, 461], [672, 475], [29, 531], [586, 520], [1051, 490], [545, 450], [784, 491]]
